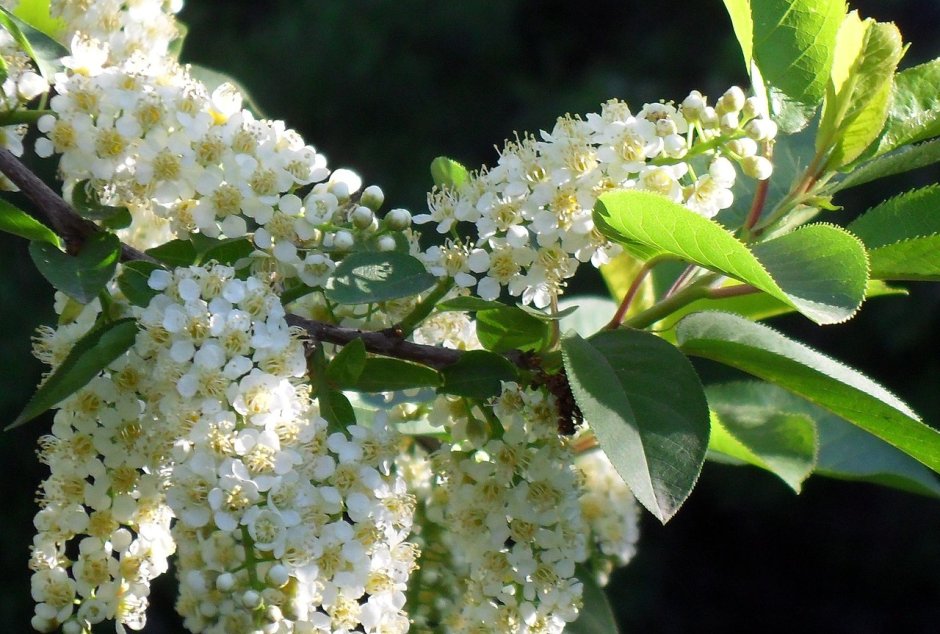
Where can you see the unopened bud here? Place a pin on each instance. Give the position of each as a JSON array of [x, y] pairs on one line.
[[761, 129], [386, 243], [362, 217], [743, 147], [398, 219], [251, 599], [372, 197], [343, 240], [731, 101], [757, 167], [693, 106], [278, 575], [225, 582]]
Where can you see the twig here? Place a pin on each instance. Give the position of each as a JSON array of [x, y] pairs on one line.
[[52, 210]]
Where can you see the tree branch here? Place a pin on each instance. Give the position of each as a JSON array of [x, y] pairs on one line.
[[54, 212]]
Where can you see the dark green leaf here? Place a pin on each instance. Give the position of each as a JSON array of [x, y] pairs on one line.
[[478, 374], [845, 451], [83, 276], [470, 304], [19, 223], [380, 374], [336, 409], [294, 293], [781, 442], [133, 282], [448, 173], [596, 616], [86, 202], [90, 355], [175, 253], [765, 353], [368, 277], [227, 251], [645, 404], [510, 328], [819, 270], [347, 366], [41, 48], [593, 314], [905, 159], [914, 114]]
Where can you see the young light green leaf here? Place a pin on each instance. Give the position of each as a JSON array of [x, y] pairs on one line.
[[510, 328], [859, 92], [176, 252], [348, 364], [820, 270], [16, 221], [90, 355], [448, 173], [793, 42], [765, 353], [81, 276], [368, 276], [845, 451], [904, 159], [36, 14], [743, 24], [133, 282], [645, 404], [903, 235], [596, 616], [783, 443], [478, 374], [381, 374], [914, 114]]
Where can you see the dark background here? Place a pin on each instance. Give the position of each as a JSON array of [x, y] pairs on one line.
[[383, 87]]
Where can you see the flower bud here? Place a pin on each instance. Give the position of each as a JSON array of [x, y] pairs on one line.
[[278, 575], [743, 147], [362, 217], [386, 243], [346, 177], [251, 599], [343, 240], [693, 106], [728, 122], [398, 219], [757, 167], [752, 108], [225, 582], [731, 101], [372, 197], [761, 129]]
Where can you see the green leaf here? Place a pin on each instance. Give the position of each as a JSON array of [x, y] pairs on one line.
[[40, 48], [16, 221], [347, 366], [175, 253], [368, 276], [90, 355], [81, 276], [645, 404], [86, 202], [227, 251], [783, 443], [36, 14], [478, 374], [133, 282], [469, 303], [510, 328], [756, 307], [765, 353], [448, 173], [793, 42], [336, 409], [914, 114], [859, 91], [593, 314], [619, 274], [819, 270], [596, 615], [380, 374], [213, 79], [845, 451], [903, 235], [743, 24], [905, 159]]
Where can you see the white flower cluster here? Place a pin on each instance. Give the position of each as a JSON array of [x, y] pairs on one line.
[[128, 27], [611, 514], [506, 509], [282, 525], [532, 210], [103, 528]]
